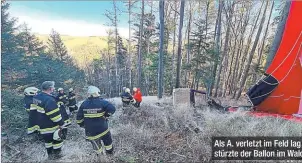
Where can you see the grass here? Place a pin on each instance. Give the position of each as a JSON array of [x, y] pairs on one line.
[[158, 132]]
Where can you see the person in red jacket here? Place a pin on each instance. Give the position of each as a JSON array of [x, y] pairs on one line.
[[137, 95]]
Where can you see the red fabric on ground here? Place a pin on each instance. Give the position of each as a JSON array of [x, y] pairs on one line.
[[265, 114], [286, 67]]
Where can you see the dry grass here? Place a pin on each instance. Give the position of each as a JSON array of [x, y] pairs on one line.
[[158, 132]]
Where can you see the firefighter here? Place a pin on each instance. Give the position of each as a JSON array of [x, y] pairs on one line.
[[33, 126], [127, 98], [62, 102], [72, 104], [137, 95], [49, 119], [123, 90], [93, 116]]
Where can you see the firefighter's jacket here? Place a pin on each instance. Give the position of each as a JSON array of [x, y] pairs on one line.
[[49, 115], [72, 99], [32, 113], [62, 101], [92, 115], [126, 98]]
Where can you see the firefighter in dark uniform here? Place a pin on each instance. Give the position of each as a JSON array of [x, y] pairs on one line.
[[127, 98], [33, 126], [49, 119], [62, 101], [123, 90], [92, 115], [72, 101]]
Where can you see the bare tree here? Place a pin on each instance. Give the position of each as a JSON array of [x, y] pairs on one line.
[[217, 46], [243, 28], [116, 49], [225, 49], [160, 53], [278, 35], [129, 44], [182, 7], [188, 39], [249, 42], [173, 48], [250, 56], [139, 60], [263, 42]]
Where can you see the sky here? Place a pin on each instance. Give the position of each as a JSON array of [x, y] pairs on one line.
[[75, 18]]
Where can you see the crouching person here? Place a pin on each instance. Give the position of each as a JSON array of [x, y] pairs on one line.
[[49, 119], [127, 98], [92, 115]]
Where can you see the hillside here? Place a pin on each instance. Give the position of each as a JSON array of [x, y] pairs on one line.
[[82, 48], [74, 41]]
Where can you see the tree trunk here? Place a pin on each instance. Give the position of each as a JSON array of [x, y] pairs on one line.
[[217, 47], [228, 73], [109, 72], [188, 43], [173, 49], [129, 46], [225, 49], [207, 14], [248, 45], [263, 42], [278, 35], [161, 53], [139, 69], [238, 55], [182, 6], [116, 49], [250, 57]]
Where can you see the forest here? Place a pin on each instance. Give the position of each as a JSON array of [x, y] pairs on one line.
[[222, 47], [219, 46]]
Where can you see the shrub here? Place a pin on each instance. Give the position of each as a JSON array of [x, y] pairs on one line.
[[13, 114]]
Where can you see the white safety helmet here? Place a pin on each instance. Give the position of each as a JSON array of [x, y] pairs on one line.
[[93, 91], [31, 91], [127, 90], [134, 89], [70, 89], [60, 89]]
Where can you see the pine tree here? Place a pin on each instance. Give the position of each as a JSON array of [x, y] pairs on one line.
[[56, 46], [30, 43], [8, 39]]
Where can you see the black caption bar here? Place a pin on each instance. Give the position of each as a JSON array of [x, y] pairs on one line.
[[257, 148]]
